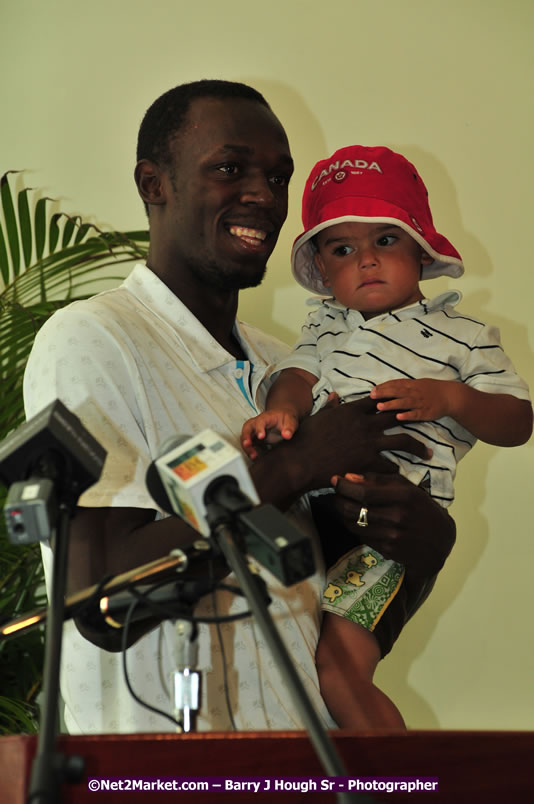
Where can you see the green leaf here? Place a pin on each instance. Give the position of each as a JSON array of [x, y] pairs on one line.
[[82, 231], [4, 262], [16, 717], [142, 236], [68, 229], [40, 227], [25, 225], [11, 222], [53, 234]]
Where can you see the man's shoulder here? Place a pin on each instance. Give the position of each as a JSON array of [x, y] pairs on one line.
[[267, 346], [104, 306]]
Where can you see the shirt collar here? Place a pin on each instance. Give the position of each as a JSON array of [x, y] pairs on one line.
[[206, 352], [450, 298]]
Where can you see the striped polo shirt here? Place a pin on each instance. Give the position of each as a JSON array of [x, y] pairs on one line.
[[350, 355]]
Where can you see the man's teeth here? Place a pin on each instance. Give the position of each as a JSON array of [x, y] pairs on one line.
[[243, 231]]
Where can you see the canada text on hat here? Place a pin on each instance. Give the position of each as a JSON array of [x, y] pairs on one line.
[[363, 184]]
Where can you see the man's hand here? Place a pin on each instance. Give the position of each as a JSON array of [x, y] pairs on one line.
[[404, 522], [418, 400], [352, 437], [336, 440]]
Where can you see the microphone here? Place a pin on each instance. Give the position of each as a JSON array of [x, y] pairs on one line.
[[186, 468], [50, 459], [194, 473]]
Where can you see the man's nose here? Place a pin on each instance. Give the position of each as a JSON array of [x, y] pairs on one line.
[[257, 189]]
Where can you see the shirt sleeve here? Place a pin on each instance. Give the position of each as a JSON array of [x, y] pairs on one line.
[[82, 362], [305, 354], [488, 368]]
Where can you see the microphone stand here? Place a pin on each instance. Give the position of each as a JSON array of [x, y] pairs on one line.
[[50, 768], [220, 521]]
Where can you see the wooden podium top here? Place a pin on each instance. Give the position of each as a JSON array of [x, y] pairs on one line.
[[471, 766]]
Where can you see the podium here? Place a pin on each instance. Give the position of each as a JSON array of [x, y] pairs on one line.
[[472, 766]]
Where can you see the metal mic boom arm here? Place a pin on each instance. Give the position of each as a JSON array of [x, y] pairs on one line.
[[177, 562]]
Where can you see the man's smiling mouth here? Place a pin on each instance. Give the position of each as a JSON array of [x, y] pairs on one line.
[[249, 235]]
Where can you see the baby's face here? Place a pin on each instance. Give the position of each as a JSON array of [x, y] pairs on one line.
[[370, 267]]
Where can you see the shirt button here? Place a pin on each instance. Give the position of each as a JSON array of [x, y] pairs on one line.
[[238, 373]]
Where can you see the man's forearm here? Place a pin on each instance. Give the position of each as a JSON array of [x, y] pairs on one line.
[[109, 541], [347, 438]]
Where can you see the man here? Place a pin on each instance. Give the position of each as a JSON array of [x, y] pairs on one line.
[[164, 355]]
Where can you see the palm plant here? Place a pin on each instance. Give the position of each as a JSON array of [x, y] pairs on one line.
[[47, 260]]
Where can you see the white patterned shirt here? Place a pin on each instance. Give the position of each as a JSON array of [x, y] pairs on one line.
[[137, 368], [350, 355]]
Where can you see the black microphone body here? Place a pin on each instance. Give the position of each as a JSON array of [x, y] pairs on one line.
[[49, 461]]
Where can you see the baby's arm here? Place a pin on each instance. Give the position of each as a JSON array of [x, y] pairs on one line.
[[499, 419], [289, 399]]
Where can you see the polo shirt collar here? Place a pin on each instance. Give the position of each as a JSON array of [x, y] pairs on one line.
[[449, 298], [206, 352]]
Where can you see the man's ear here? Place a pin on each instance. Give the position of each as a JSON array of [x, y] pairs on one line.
[[318, 260], [149, 179]]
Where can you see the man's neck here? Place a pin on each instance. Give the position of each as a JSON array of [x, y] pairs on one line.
[[217, 313], [215, 309]]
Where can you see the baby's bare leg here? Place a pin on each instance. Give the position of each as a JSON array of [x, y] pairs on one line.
[[346, 659]]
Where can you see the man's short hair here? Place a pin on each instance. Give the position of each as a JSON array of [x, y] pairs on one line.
[[166, 116]]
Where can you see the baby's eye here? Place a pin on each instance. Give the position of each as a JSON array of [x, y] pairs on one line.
[[342, 251], [387, 240]]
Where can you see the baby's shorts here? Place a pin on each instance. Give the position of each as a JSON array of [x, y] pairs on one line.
[[375, 595], [366, 588], [361, 585]]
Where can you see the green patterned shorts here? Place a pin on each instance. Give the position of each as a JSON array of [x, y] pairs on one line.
[[361, 585]]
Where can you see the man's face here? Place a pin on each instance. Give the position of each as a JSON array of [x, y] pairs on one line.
[[230, 174]]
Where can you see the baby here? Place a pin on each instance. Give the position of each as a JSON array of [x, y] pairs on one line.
[[369, 239]]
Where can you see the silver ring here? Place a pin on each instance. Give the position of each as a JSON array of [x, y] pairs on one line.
[[362, 519]]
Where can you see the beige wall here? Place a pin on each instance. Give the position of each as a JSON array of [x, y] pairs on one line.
[[447, 82]]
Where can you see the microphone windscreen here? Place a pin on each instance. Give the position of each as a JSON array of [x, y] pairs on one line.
[[153, 480], [156, 489]]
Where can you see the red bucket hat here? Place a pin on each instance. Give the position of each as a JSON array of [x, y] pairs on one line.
[[364, 185]]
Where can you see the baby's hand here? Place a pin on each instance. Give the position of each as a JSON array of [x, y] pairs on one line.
[[269, 427], [418, 400]]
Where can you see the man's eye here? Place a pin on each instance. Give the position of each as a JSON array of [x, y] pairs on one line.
[[387, 240], [229, 168], [281, 181], [342, 251]]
